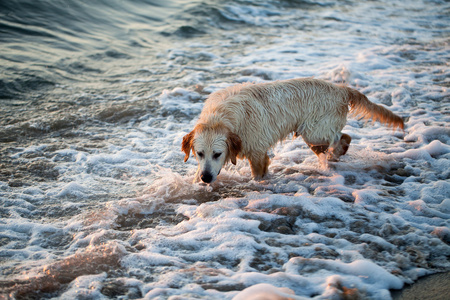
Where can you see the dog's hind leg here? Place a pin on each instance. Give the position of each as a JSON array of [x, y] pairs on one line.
[[259, 165], [321, 152], [319, 149], [318, 143], [339, 148]]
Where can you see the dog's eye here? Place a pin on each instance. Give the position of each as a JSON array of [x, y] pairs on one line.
[[216, 155], [200, 154]]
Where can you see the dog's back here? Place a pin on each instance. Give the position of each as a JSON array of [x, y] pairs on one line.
[[263, 114], [313, 108]]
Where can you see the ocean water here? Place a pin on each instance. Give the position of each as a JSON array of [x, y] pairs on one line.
[[96, 202]]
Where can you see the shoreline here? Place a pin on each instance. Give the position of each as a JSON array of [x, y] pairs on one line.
[[430, 287]]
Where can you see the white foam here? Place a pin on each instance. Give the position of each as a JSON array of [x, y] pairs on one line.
[[87, 286], [265, 291]]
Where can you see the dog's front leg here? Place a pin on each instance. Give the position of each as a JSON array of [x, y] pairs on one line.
[[259, 165]]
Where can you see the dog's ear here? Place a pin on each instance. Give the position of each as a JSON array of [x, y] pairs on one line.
[[234, 144], [186, 145]]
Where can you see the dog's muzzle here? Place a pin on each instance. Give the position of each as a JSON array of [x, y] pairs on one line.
[[206, 177]]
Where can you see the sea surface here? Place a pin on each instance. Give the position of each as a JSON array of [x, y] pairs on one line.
[[96, 202]]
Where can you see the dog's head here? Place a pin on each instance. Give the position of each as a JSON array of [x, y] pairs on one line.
[[213, 147]]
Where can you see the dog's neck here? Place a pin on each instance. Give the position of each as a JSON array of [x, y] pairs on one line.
[[217, 122]]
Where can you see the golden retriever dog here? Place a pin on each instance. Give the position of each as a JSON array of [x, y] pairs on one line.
[[246, 120]]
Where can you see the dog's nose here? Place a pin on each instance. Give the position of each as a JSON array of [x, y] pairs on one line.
[[206, 177]]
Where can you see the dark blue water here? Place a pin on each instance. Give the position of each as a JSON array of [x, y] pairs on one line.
[[45, 43]]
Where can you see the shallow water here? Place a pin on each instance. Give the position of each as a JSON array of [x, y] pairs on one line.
[[96, 201]]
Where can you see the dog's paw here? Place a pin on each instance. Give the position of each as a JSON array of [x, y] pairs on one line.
[[331, 157]]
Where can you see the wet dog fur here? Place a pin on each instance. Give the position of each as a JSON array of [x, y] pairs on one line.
[[245, 120]]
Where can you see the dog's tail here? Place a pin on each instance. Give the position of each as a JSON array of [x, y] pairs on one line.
[[360, 106]]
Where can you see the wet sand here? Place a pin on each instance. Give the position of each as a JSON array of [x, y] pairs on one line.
[[432, 287]]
